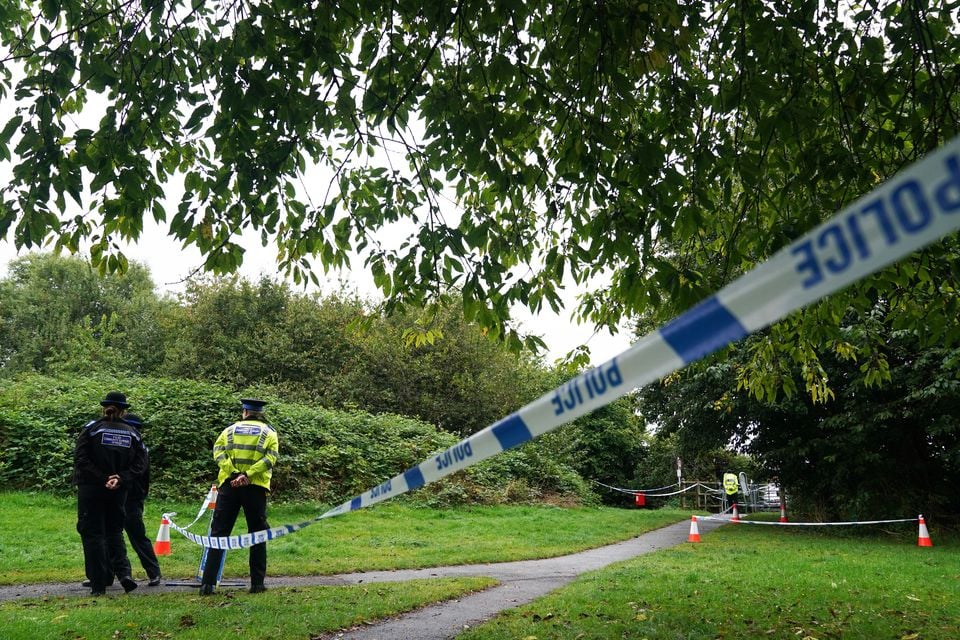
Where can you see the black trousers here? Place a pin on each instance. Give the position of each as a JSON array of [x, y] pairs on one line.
[[253, 500], [137, 534], [100, 515]]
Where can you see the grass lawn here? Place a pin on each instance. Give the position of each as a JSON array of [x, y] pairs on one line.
[[755, 582], [302, 613], [743, 581], [39, 541]]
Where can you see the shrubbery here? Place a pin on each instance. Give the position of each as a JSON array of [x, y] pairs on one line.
[[326, 456]]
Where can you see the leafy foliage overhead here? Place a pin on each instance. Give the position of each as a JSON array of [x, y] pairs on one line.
[[670, 144]]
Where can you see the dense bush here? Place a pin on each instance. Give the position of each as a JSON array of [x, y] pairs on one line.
[[327, 456], [60, 317]]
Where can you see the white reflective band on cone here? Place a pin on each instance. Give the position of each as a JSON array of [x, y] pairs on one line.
[[912, 209]]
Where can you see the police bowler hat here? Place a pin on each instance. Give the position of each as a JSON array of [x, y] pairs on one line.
[[251, 404], [116, 399]]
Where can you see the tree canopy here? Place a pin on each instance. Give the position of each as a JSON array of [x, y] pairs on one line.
[[866, 452], [670, 145]]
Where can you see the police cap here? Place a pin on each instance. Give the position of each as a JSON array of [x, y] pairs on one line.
[[251, 404], [116, 399]]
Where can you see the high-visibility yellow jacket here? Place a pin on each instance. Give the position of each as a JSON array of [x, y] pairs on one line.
[[249, 447], [730, 483]]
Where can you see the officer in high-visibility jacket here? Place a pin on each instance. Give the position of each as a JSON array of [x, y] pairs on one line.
[[731, 486], [246, 453]]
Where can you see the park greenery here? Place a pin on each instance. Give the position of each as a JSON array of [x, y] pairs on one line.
[[477, 157], [383, 537], [358, 401], [753, 583], [337, 391], [282, 613], [513, 147], [740, 581], [892, 449]]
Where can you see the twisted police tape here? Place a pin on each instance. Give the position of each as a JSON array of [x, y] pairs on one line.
[[912, 209], [810, 524], [653, 493], [205, 507], [635, 491]]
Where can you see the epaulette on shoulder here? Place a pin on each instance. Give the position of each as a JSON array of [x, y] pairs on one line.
[[90, 424]]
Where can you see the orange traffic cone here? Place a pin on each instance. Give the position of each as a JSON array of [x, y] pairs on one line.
[[736, 514], [162, 546], [783, 513], [924, 539], [694, 531], [212, 497]]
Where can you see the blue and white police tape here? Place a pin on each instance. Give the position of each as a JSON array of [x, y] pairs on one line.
[[808, 524], [204, 509], [635, 491], [653, 493], [675, 493], [909, 211]]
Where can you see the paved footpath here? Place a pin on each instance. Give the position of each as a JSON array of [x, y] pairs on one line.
[[520, 583]]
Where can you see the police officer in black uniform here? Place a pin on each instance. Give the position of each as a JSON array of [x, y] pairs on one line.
[[133, 516], [109, 458], [133, 525]]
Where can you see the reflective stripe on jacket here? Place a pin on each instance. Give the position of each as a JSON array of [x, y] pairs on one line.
[[249, 447]]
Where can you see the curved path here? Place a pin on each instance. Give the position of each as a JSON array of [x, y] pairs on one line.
[[520, 582]]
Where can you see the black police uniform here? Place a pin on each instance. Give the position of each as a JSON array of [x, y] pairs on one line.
[[104, 448], [133, 518]]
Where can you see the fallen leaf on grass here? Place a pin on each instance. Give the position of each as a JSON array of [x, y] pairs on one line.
[[913, 598]]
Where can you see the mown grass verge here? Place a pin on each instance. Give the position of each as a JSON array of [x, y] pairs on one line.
[[39, 542], [305, 612], [755, 582]]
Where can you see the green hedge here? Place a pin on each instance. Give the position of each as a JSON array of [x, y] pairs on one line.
[[325, 456]]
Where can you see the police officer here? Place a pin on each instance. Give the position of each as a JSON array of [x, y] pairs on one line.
[[246, 453], [731, 487], [133, 524], [133, 518], [108, 459]]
